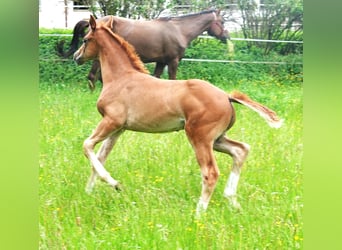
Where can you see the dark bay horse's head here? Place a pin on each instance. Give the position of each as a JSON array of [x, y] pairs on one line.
[[216, 28]]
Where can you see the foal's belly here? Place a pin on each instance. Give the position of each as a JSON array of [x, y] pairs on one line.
[[156, 126]]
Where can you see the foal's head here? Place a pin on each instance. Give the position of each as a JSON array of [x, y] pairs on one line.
[[90, 49], [216, 28]]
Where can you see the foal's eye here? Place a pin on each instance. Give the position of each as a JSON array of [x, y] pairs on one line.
[[85, 40]]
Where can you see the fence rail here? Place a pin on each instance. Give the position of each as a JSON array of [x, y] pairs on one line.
[[237, 61]]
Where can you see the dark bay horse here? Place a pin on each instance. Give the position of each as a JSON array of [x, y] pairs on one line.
[[133, 100], [161, 40]]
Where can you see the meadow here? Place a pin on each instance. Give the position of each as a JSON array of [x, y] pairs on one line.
[[161, 179]]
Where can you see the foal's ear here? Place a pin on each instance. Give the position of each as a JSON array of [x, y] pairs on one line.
[[92, 22]]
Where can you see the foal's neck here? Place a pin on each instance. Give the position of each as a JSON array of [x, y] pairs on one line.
[[115, 62]]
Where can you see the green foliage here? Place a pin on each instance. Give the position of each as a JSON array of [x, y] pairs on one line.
[[234, 72], [53, 69]]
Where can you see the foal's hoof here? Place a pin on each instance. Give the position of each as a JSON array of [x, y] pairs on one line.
[[234, 203], [88, 190], [237, 206], [118, 187]]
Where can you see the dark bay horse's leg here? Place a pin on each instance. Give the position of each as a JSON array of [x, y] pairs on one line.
[[102, 155], [93, 75], [239, 152], [172, 68], [158, 71]]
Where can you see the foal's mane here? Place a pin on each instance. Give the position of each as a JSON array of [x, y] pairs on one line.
[[129, 50]]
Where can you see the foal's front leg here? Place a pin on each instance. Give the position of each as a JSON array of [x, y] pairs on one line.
[[103, 130], [102, 155]]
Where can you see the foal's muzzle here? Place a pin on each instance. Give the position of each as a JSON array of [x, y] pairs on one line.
[[78, 57]]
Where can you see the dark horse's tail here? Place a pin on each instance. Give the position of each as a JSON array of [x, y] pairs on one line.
[[269, 115], [79, 32]]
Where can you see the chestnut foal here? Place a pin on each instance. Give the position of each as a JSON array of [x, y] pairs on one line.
[[133, 100]]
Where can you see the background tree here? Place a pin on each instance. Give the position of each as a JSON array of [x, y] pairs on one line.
[[150, 9], [135, 9], [273, 20]]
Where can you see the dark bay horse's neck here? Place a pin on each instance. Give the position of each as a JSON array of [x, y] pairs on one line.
[[193, 25]]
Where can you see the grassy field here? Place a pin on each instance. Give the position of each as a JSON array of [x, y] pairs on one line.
[[161, 180]]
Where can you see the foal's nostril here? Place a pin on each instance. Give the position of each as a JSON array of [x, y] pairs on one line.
[[77, 58]]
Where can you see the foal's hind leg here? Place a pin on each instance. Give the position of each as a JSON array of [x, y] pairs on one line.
[[209, 170], [239, 152], [102, 155], [104, 129], [210, 174]]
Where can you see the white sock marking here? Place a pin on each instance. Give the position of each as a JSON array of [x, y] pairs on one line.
[[232, 184], [201, 206]]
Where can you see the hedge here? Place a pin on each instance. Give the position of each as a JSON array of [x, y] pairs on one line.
[[54, 70]]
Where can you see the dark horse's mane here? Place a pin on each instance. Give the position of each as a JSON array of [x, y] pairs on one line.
[[79, 32], [186, 15]]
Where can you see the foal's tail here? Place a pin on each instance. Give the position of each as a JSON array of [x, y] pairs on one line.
[[269, 115]]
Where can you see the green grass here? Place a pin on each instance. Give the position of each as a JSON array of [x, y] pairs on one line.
[[161, 180]]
